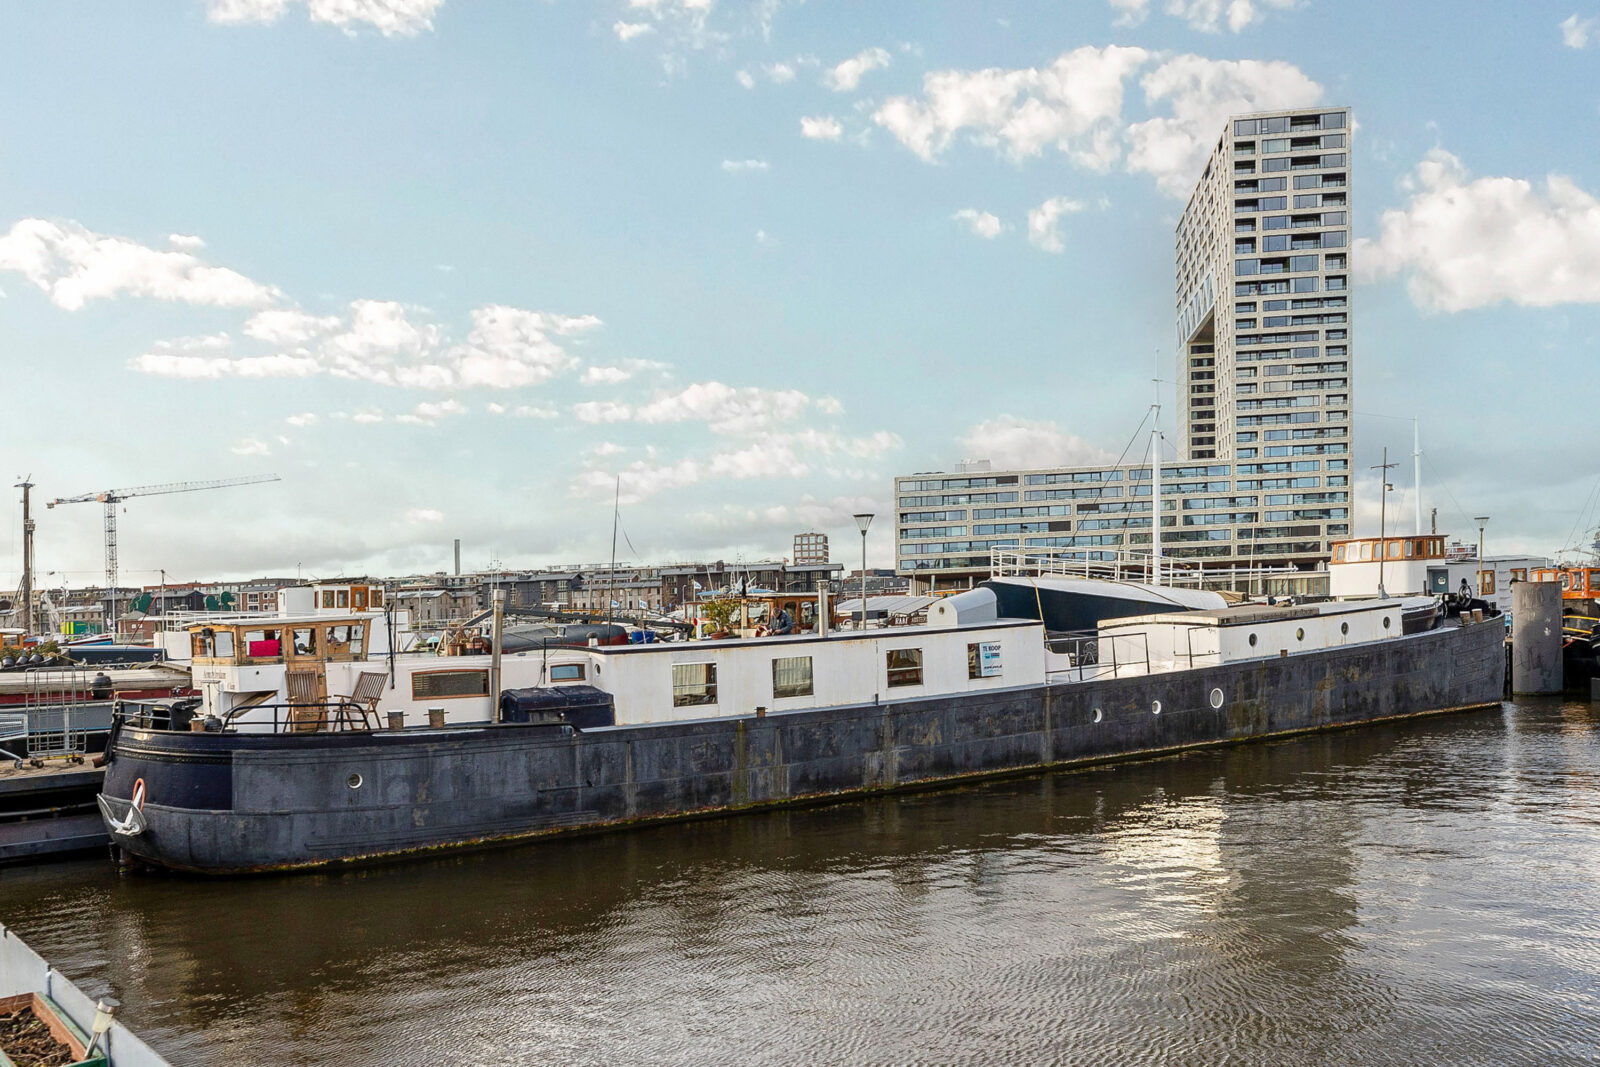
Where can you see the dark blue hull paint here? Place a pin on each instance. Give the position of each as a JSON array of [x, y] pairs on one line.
[[222, 803]]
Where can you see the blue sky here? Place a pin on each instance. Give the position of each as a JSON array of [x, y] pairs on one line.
[[451, 268]]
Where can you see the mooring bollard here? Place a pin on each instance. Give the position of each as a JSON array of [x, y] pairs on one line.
[[1536, 637], [397, 720], [436, 717]]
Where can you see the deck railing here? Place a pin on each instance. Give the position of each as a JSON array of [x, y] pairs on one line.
[[1132, 566], [1088, 656]]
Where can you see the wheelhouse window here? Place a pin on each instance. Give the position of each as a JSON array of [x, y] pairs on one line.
[[693, 683], [377, 598], [905, 666], [341, 598], [305, 641], [327, 598], [263, 644], [438, 684], [791, 676], [346, 641], [568, 672]]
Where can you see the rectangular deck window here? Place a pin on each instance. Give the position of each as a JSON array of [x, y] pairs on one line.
[[983, 659], [567, 672], [693, 683], [436, 684], [905, 666], [791, 677]]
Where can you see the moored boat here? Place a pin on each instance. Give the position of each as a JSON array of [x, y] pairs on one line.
[[314, 742]]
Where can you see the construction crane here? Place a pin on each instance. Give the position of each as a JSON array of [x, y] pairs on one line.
[[112, 497]]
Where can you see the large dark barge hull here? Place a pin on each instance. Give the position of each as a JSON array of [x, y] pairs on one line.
[[232, 803]]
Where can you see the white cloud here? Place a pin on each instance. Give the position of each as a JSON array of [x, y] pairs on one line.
[[305, 418], [1575, 31], [1012, 443], [251, 447], [1467, 243], [288, 326], [787, 455], [1203, 93], [627, 31], [605, 375], [367, 418], [846, 77], [405, 18], [780, 73], [75, 265], [535, 411], [821, 128], [1044, 222], [1075, 105], [379, 342], [421, 515], [724, 408], [743, 166], [1205, 15], [601, 411], [981, 223], [429, 412], [184, 242]]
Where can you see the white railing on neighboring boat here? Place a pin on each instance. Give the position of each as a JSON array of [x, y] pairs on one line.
[[1124, 565]]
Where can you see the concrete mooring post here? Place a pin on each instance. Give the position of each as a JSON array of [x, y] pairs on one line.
[[1536, 637]]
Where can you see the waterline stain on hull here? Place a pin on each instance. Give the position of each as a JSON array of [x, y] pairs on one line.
[[224, 803]]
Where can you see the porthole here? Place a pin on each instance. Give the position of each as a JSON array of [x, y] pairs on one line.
[[354, 781], [1216, 698], [1098, 714], [1252, 640], [1344, 627], [1155, 707], [1300, 634], [1386, 622]]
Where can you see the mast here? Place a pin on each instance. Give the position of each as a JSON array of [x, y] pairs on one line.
[[611, 582], [1416, 473], [1155, 487]]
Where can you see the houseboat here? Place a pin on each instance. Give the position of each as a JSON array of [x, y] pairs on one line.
[[318, 740]]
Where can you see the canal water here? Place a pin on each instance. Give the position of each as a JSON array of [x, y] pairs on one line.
[[1426, 892]]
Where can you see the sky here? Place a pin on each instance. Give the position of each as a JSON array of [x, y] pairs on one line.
[[464, 268]]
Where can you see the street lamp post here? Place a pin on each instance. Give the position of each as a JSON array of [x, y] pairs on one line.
[[1482, 521], [862, 522]]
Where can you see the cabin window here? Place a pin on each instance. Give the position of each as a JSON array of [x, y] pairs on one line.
[[305, 641], [983, 659], [1519, 574], [433, 684], [905, 666], [1338, 553], [341, 599], [358, 598], [223, 646], [202, 644], [791, 676], [327, 598], [377, 598], [345, 640], [1410, 548], [693, 683], [567, 672], [262, 644], [1394, 549], [1485, 583]]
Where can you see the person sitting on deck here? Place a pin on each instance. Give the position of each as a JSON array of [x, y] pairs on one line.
[[783, 624]]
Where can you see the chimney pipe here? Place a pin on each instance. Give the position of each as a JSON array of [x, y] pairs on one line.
[[458, 556]]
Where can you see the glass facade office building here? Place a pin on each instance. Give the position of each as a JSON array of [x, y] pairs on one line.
[[1262, 305]]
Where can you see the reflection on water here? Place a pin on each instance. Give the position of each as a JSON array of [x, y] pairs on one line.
[[1426, 892]]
